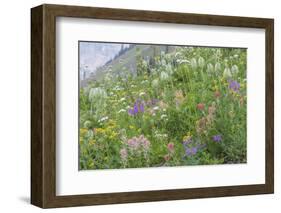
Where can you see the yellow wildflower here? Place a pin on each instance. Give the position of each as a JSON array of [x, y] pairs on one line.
[[187, 136], [215, 88], [99, 130], [113, 135], [92, 142], [83, 132]]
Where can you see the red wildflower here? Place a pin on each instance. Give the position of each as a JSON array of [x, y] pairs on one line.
[[171, 147], [200, 106]]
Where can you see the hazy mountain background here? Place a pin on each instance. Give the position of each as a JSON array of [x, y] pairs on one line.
[[94, 55], [96, 59]]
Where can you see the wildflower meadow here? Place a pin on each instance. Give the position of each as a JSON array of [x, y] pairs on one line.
[[157, 105]]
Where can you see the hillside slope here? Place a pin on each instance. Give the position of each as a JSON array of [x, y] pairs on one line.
[[127, 61]]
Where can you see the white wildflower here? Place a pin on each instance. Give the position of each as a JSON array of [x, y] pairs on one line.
[[158, 135], [97, 93], [218, 52], [121, 110], [201, 62], [227, 73], [193, 63], [156, 108], [103, 119], [178, 54], [169, 68], [142, 94], [217, 67], [164, 116], [234, 69], [210, 68], [164, 76], [118, 88], [183, 61], [122, 99]]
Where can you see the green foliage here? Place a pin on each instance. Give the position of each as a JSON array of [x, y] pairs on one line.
[[189, 109]]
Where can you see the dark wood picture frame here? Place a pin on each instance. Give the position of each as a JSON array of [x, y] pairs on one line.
[[43, 105]]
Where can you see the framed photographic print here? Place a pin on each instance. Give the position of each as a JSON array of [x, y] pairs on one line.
[[136, 106]]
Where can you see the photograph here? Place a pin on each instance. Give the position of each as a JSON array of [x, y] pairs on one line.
[[140, 105], [154, 105]]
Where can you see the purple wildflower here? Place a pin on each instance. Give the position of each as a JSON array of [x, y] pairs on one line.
[[141, 107], [138, 107], [194, 150], [234, 85], [217, 138], [131, 112], [191, 151]]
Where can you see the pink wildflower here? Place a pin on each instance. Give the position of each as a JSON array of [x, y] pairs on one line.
[[200, 106], [171, 147], [123, 154]]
